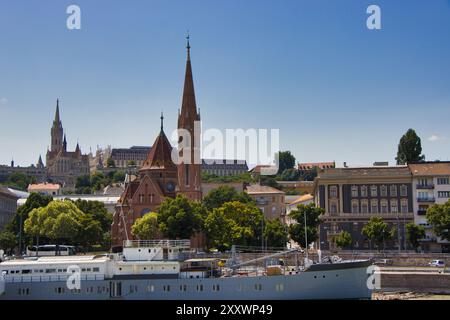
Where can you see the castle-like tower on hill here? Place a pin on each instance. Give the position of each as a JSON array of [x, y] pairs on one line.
[[64, 166], [159, 177]]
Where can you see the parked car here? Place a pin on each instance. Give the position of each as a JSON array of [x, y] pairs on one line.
[[436, 263], [384, 262]]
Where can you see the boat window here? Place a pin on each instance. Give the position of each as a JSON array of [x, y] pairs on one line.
[[96, 269], [50, 270], [26, 271]]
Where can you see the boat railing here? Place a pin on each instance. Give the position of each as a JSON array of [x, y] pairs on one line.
[[157, 243], [54, 278]]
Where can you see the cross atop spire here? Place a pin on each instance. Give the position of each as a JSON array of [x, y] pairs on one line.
[[162, 121], [188, 46]]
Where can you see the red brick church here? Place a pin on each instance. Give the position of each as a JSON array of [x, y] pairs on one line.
[[159, 177]]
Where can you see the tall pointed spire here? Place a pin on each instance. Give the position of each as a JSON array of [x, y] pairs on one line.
[[162, 122], [188, 105], [57, 119], [57, 131], [64, 143], [40, 163]]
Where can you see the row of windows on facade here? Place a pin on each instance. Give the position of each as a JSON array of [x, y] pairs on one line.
[[443, 194], [129, 156], [124, 163], [64, 270], [363, 191], [429, 196], [375, 206], [440, 181], [443, 181], [223, 172]]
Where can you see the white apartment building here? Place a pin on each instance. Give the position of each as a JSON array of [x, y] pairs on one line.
[[431, 185]]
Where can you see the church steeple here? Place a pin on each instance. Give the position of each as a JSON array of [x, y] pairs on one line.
[[40, 163], [189, 166], [188, 112], [57, 131], [77, 149], [57, 119], [65, 143]]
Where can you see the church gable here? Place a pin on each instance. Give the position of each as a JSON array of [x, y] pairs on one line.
[[148, 192]]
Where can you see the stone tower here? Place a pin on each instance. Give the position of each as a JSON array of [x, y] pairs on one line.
[[57, 132]]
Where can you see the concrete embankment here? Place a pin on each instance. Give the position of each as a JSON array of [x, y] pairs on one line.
[[397, 279]]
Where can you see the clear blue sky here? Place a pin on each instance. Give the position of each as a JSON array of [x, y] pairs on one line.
[[336, 90]]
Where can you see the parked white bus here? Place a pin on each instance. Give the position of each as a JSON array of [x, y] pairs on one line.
[[51, 250]]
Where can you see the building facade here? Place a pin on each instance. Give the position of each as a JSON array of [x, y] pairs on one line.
[[351, 196], [64, 166], [159, 177], [8, 206], [136, 155], [224, 167], [269, 200], [49, 189], [36, 171], [431, 185]]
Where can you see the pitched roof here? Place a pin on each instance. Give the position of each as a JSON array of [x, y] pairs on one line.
[[43, 186], [258, 189], [430, 168], [6, 192], [364, 172], [320, 165], [160, 155]]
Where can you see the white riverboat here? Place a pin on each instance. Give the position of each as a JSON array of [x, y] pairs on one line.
[[161, 270]]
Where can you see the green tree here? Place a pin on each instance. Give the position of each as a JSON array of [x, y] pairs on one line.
[[285, 161], [213, 178], [7, 241], [290, 175], [146, 227], [118, 176], [377, 230], [309, 175], [60, 221], [217, 197], [414, 233], [180, 218], [269, 181], [97, 211], [34, 224], [233, 223], [110, 163], [18, 180], [131, 163], [34, 200], [409, 148], [438, 216], [98, 181], [89, 231], [313, 220], [275, 232], [83, 185], [343, 240]]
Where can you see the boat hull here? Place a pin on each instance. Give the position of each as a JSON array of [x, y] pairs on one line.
[[346, 281]]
